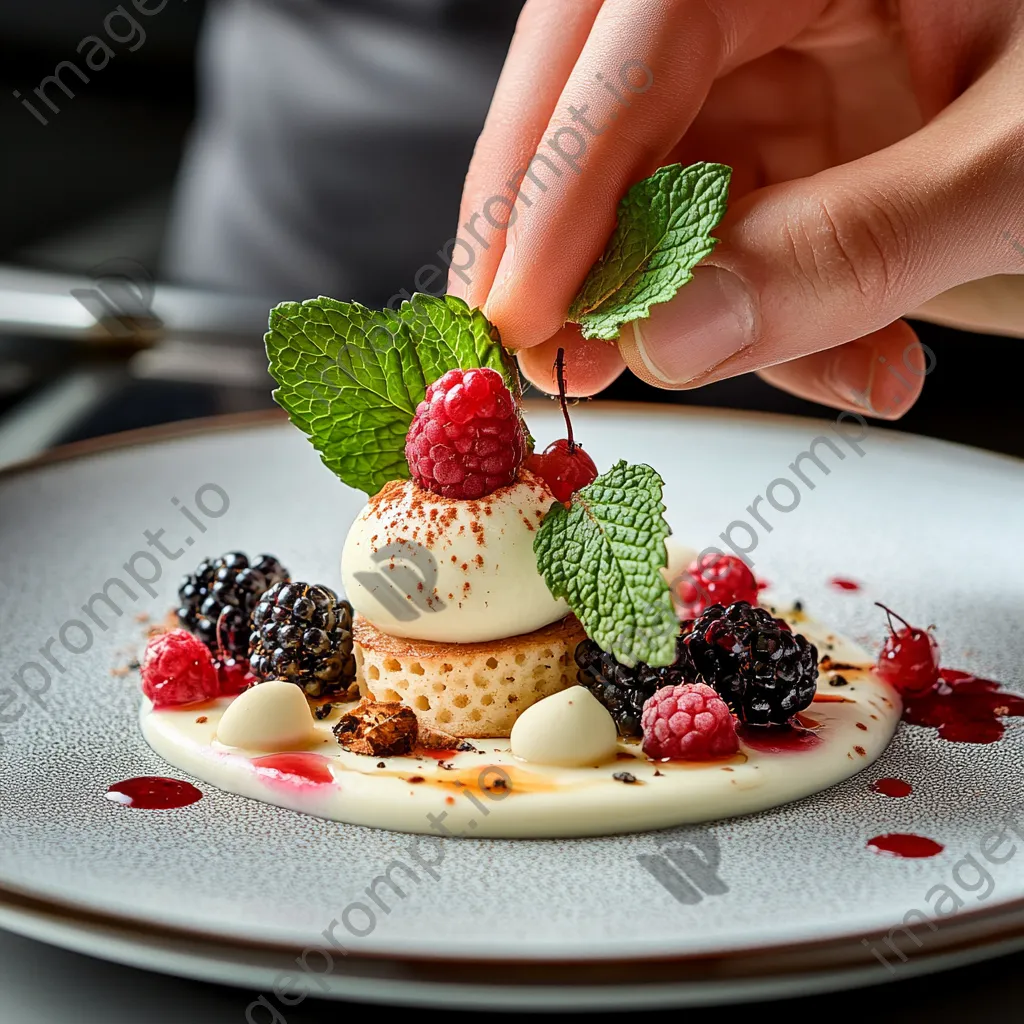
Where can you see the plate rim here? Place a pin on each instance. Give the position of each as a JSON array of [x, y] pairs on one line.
[[961, 933], [802, 952], [239, 421], [206, 962]]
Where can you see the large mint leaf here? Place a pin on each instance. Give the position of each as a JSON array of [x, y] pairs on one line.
[[604, 555], [663, 231], [350, 377]]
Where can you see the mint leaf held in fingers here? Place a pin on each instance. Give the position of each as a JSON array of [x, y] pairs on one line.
[[663, 232], [350, 378], [604, 555]]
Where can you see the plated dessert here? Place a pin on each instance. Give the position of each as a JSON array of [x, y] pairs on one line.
[[521, 650]]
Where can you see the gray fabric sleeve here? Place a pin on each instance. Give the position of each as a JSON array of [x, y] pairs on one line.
[[330, 146]]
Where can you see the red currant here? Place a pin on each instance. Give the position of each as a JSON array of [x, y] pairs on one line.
[[565, 467], [233, 676], [909, 659], [714, 579]]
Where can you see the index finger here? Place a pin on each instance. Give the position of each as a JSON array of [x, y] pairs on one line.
[[548, 40]]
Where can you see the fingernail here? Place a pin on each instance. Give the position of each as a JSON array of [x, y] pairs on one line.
[[850, 374], [710, 319]]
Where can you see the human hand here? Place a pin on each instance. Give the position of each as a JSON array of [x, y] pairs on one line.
[[878, 162]]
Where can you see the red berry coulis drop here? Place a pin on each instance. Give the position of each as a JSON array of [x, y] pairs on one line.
[[892, 787], [843, 584], [904, 844], [153, 793], [564, 466], [297, 767]]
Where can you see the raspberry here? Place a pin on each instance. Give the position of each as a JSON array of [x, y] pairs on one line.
[[765, 672], [688, 722], [466, 439], [714, 579], [177, 668]]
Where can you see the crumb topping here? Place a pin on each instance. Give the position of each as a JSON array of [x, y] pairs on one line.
[[378, 728]]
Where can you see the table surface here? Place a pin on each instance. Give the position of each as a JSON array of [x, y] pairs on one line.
[[43, 985]]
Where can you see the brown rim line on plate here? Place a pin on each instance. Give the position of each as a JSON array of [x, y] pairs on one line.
[[146, 435], [268, 417], [961, 934]]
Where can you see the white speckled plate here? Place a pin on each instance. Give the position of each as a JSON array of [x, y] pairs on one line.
[[930, 528]]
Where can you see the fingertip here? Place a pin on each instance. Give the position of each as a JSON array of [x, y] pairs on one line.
[[880, 375], [590, 366], [517, 320]]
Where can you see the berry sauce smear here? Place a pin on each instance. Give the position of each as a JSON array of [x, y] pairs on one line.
[[964, 708], [777, 739], [153, 793], [297, 768]]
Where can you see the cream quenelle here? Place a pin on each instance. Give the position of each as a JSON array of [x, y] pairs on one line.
[[425, 567]]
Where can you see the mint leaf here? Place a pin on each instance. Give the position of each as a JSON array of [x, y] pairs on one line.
[[663, 232], [604, 555], [350, 377]]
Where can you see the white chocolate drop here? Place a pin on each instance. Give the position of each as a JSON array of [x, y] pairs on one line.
[[273, 715], [568, 729]]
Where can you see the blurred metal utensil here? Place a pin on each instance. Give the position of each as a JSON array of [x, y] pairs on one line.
[[117, 308], [109, 329]]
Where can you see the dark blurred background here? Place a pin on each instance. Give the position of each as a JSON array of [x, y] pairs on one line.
[[387, 103]]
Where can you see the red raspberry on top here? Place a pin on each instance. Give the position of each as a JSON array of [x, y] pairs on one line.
[[714, 579], [178, 668], [688, 722], [466, 439]]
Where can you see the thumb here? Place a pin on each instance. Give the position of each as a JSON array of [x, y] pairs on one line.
[[814, 263]]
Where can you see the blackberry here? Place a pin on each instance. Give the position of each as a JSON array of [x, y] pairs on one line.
[[762, 670], [623, 691], [303, 634], [215, 602]]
